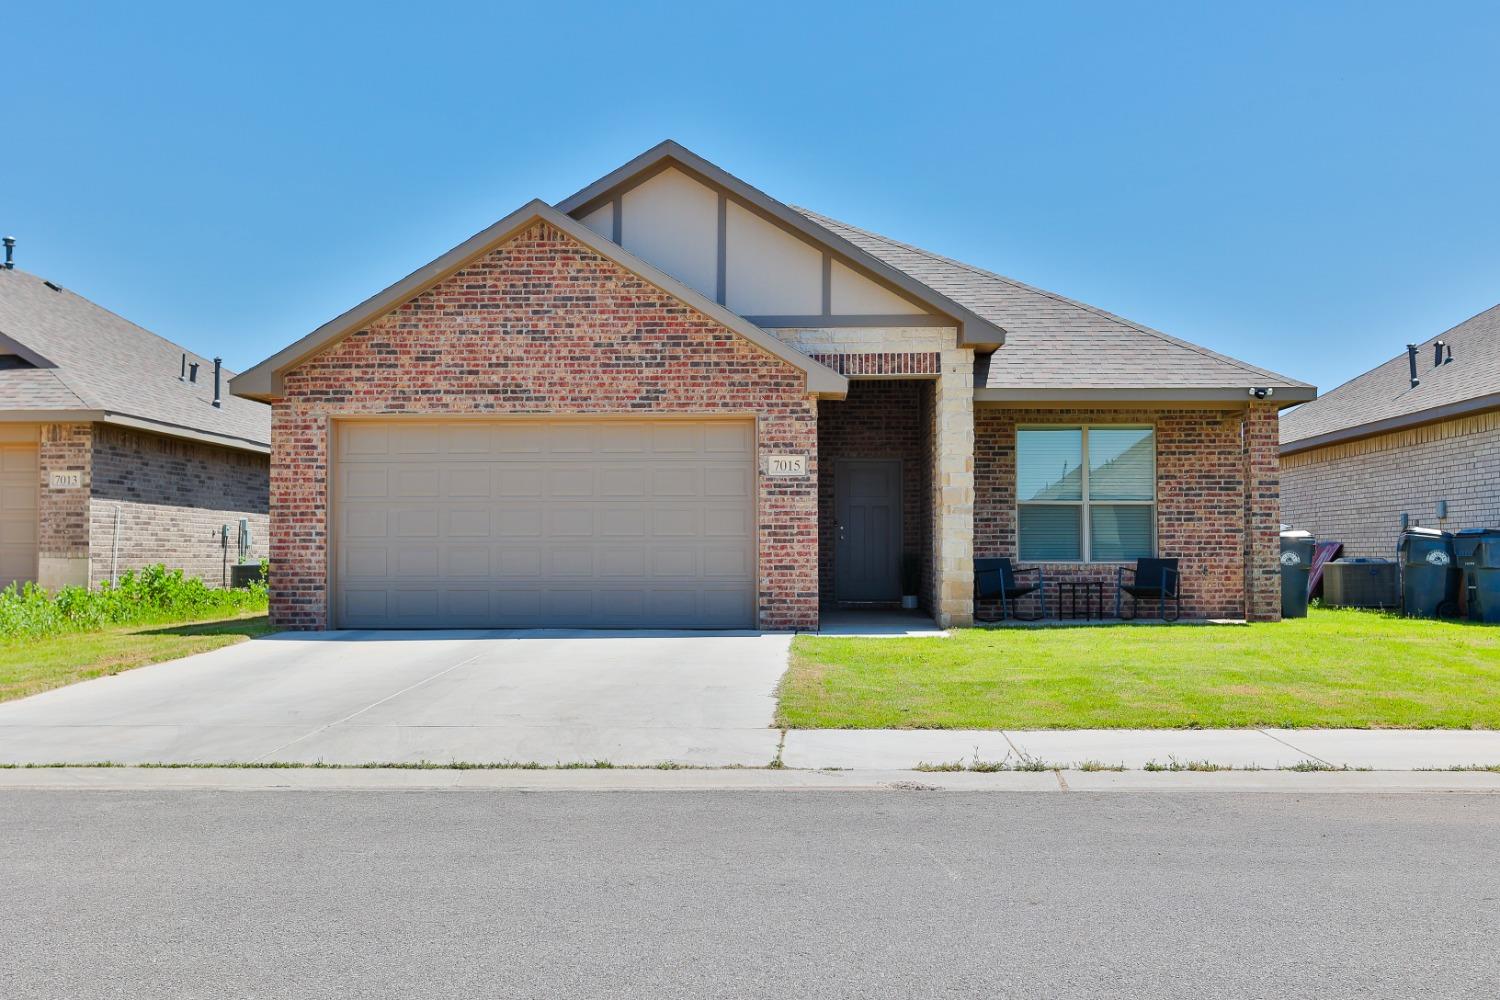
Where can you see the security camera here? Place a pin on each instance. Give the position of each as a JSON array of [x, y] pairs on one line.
[[1261, 393]]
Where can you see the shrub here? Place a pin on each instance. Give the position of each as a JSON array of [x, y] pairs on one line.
[[155, 594]]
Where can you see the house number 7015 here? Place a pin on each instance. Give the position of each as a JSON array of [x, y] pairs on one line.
[[786, 465]]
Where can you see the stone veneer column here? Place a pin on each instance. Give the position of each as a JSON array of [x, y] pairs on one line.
[[1262, 513], [953, 488]]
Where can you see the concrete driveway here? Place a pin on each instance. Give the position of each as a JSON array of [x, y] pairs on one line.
[[402, 697]]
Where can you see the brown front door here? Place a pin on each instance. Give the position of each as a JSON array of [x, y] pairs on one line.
[[867, 540]]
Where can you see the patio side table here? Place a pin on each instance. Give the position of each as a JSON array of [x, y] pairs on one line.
[[1092, 592]]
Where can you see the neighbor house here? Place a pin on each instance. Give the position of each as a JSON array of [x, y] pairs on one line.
[[672, 400], [118, 449], [1418, 437]]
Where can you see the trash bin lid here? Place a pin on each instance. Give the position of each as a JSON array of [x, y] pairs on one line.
[[1298, 533], [1426, 532]]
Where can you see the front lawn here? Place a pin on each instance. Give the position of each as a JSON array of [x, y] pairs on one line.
[[29, 666], [1335, 668]]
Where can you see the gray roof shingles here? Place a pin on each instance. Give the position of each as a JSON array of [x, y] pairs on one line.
[[1385, 393], [107, 363], [1052, 342]]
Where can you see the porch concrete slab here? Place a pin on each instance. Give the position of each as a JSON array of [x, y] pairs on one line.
[[1387, 749], [1135, 748], [895, 749], [878, 625]]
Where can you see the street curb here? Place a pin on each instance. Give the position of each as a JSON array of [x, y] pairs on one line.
[[117, 779]]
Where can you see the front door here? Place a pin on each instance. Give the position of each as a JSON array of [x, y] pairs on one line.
[[867, 539]]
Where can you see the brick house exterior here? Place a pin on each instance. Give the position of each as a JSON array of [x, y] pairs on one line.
[[1216, 502], [113, 454], [632, 350], [669, 290], [1417, 436]]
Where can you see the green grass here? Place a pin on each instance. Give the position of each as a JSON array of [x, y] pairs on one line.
[[1335, 668], [29, 666]]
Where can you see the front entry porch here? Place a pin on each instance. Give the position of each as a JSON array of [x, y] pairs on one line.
[[875, 497]]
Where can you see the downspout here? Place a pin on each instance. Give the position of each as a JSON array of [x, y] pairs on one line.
[[114, 550]]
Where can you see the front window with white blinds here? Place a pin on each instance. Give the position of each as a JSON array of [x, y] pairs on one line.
[[1086, 494]]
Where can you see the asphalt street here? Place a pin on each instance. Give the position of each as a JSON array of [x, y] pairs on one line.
[[747, 894]]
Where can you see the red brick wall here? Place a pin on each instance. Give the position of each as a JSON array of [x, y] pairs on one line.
[[542, 325], [1225, 535], [882, 418]]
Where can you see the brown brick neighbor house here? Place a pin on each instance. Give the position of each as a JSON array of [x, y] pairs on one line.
[[672, 400], [113, 452], [1417, 436]]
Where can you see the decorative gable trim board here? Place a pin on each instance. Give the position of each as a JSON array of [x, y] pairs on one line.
[[974, 330]]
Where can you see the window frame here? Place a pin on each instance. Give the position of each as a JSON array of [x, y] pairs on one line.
[[1086, 541]]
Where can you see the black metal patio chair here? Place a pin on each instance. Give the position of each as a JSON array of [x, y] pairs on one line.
[[1151, 580], [997, 579]]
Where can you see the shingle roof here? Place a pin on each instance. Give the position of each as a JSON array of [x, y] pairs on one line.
[[1384, 398], [106, 363], [36, 389], [1055, 343]]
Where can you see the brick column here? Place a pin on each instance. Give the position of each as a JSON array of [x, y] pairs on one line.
[[1262, 513], [953, 489], [299, 518], [63, 511]]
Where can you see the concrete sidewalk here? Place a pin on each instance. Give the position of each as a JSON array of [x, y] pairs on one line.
[[1375, 749]]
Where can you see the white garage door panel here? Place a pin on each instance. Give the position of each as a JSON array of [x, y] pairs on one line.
[[544, 524]]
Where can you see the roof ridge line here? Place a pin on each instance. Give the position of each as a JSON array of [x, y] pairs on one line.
[[1104, 313]]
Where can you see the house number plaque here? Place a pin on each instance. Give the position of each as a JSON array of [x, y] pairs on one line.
[[786, 466], [66, 480]]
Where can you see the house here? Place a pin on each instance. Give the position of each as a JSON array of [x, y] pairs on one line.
[[672, 400], [1417, 437], [118, 449]]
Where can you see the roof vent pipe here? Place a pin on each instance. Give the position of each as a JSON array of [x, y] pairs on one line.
[[192, 371], [218, 367], [182, 375], [10, 252], [1442, 353], [1411, 362]]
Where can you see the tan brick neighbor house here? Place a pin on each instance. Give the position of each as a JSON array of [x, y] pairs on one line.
[[1417, 436], [113, 454], [672, 400]]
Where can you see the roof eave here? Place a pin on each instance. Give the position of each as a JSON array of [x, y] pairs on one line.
[[1280, 395], [1418, 418], [265, 381], [973, 330], [164, 428]]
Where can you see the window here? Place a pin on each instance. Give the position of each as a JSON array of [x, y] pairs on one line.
[[1086, 494]]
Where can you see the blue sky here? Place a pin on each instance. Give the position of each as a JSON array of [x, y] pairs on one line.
[[1305, 186]]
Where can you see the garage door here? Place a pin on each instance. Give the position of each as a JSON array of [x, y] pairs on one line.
[[521, 523], [18, 513]]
